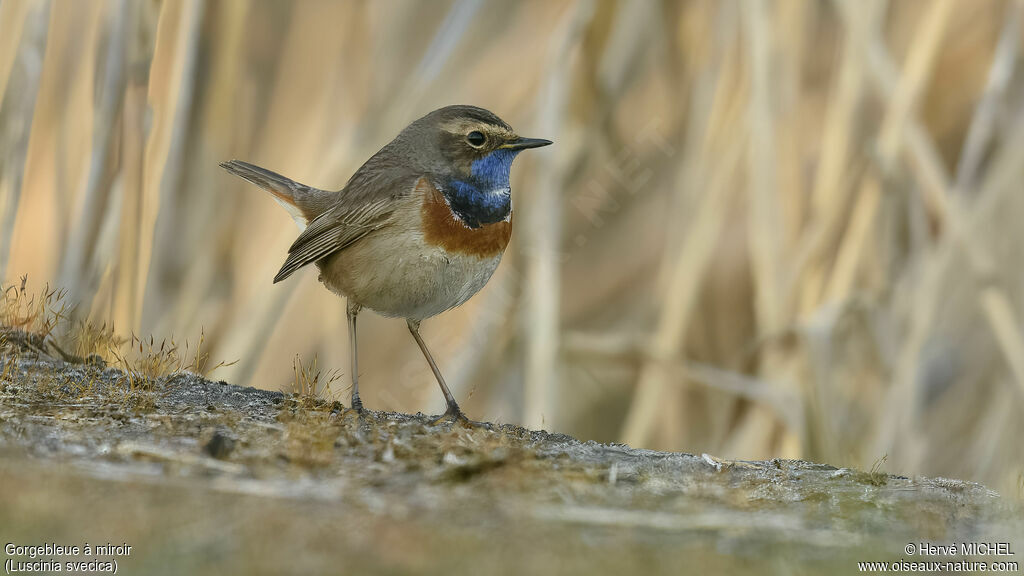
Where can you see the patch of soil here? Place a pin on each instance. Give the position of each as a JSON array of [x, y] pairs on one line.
[[206, 477]]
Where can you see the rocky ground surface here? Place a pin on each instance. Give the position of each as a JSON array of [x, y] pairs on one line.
[[203, 477]]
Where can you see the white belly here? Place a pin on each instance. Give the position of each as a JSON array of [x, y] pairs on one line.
[[398, 275]]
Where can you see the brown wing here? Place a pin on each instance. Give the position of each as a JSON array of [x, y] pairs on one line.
[[333, 230], [366, 204]]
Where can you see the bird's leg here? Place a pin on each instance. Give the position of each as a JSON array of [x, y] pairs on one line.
[[453, 412], [351, 311], [453, 406]]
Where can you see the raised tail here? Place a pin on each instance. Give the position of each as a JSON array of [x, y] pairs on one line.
[[304, 203]]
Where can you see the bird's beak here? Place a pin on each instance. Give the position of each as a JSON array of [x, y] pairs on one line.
[[524, 143]]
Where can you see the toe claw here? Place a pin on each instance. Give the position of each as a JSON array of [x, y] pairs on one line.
[[455, 415]]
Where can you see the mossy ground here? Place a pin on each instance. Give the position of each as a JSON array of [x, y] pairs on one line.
[[206, 477]]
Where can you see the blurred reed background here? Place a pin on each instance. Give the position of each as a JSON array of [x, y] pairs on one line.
[[783, 228]]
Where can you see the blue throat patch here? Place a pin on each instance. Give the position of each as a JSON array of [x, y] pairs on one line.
[[485, 197]]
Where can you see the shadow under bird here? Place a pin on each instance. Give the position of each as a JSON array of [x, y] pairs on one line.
[[417, 230]]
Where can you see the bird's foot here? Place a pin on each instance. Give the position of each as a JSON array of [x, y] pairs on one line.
[[357, 404], [455, 416]]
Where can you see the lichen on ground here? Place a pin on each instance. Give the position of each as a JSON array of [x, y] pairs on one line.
[[207, 477]]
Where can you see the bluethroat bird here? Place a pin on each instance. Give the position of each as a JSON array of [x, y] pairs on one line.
[[417, 230]]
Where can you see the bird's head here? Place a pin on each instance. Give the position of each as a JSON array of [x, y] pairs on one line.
[[472, 158]]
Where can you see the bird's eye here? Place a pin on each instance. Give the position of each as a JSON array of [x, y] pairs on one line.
[[476, 139]]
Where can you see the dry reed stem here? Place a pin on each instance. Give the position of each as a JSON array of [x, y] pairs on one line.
[[167, 79], [830, 193], [13, 14], [993, 301], [78, 272], [628, 347], [544, 229], [688, 256], [947, 209], [766, 241], [174, 218], [687, 277], [902, 105], [126, 283], [984, 118], [23, 29]]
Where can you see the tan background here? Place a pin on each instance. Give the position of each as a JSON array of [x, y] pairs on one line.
[[786, 228]]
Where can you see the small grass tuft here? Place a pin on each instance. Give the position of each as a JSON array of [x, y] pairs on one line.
[[36, 315], [38, 322], [200, 360], [147, 360], [311, 383], [92, 340]]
